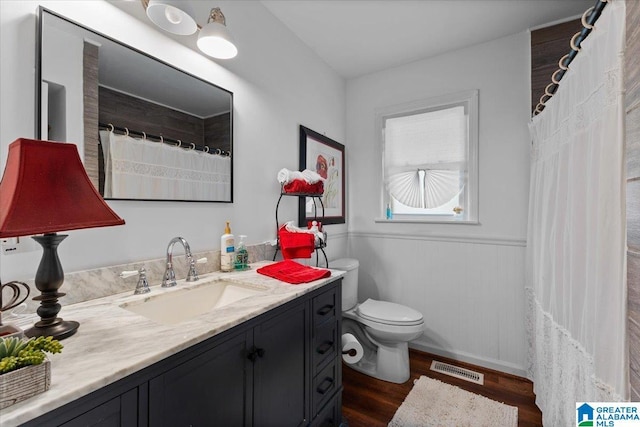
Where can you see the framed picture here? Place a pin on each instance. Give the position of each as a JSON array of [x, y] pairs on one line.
[[326, 157]]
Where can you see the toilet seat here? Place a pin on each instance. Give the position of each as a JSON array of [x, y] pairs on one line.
[[389, 313]]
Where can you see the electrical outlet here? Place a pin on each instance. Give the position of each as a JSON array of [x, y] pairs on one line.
[[16, 245]]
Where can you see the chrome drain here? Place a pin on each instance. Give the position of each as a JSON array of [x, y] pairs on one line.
[[457, 372]]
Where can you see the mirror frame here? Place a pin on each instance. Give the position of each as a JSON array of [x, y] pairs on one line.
[[38, 93]]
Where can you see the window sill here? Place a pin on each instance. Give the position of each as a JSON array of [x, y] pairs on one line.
[[426, 221]]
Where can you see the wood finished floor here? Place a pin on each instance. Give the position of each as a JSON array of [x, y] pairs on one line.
[[368, 402]]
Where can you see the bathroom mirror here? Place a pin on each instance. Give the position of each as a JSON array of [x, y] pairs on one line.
[[146, 130]]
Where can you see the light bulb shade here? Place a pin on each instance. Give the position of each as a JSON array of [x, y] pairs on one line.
[[174, 16], [45, 189], [216, 41]]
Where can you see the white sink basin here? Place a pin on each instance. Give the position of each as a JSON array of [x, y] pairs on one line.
[[183, 303]]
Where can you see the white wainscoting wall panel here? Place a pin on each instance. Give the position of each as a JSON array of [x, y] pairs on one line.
[[471, 293]]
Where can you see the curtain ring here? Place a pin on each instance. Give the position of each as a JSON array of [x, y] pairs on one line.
[[553, 77], [546, 90], [573, 43], [111, 128], [543, 95], [193, 146], [218, 151], [584, 18], [206, 148], [126, 131], [144, 136], [561, 63], [179, 143], [161, 138]]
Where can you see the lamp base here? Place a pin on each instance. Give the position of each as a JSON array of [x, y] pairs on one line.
[[49, 278], [59, 331]]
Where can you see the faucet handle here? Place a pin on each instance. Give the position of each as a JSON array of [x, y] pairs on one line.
[[143, 286], [128, 273]]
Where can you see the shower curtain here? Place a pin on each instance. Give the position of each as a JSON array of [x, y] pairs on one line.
[[576, 266], [137, 169]]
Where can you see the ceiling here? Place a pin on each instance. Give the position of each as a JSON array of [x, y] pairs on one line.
[[357, 37]]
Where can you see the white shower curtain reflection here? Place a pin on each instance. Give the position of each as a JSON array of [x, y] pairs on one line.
[[576, 280], [137, 169]]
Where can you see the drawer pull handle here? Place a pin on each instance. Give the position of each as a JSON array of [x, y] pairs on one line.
[[324, 347], [325, 309], [325, 385]]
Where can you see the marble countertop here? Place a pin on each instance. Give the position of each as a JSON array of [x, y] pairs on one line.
[[113, 342]]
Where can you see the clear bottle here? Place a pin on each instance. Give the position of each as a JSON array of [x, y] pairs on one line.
[[227, 249], [242, 255]]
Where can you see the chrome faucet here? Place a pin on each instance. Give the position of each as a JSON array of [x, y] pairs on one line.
[[169, 275]]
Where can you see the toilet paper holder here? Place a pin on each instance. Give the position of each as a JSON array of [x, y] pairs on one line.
[[352, 351]]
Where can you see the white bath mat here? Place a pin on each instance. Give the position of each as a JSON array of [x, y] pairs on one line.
[[434, 403]]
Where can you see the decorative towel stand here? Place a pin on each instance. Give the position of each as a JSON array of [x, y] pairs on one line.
[[318, 247]]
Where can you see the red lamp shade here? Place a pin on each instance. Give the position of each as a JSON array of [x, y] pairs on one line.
[[45, 189]]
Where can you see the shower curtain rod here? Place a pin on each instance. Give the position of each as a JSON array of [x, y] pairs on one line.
[[587, 25], [170, 141]]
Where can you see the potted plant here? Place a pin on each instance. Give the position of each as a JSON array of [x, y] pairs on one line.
[[24, 368]]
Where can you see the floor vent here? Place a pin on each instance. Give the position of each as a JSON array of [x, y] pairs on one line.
[[456, 371]]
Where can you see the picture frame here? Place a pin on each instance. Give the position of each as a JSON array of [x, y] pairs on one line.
[[326, 157]]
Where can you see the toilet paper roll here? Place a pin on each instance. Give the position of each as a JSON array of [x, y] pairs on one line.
[[350, 345]]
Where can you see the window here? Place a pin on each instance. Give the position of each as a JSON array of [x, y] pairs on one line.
[[430, 159]]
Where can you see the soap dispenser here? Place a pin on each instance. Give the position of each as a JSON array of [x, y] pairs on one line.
[[242, 256], [227, 249]]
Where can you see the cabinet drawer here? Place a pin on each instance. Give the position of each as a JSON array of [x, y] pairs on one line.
[[324, 386], [325, 306], [331, 414], [325, 345]]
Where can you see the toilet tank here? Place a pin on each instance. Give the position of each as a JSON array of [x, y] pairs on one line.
[[349, 281]]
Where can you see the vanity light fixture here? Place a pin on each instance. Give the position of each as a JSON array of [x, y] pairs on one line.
[[215, 39], [45, 189], [173, 16], [177, 17]]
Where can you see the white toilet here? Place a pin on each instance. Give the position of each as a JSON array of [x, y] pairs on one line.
[[384, 329]]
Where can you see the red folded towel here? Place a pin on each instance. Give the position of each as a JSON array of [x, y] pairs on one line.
[[296, 245], [293, 272], [302, 186]]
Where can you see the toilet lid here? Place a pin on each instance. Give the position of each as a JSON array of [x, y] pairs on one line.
[[389, 313]]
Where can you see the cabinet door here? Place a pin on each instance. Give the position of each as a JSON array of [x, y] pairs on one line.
[[118, 412], [281, 379], [208, 390]]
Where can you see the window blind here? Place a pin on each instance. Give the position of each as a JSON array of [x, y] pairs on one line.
[[425, 156]]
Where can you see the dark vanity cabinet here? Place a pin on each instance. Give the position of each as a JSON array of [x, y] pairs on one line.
[[326, 358], [280, 378], [119, 411], [256, 377], [282, 369], [206, 390]]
